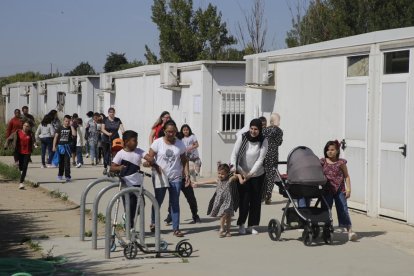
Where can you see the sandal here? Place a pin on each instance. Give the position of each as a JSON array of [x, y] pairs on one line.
[[178, 234], [228, 235], [222, 234]]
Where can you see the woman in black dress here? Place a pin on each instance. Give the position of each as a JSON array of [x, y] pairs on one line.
[[274, 135]]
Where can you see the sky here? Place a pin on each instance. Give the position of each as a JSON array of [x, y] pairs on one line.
[[36, 34]]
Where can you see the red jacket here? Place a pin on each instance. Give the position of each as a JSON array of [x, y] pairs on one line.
[[13, 126]]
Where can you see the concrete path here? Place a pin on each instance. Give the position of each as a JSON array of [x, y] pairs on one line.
[[385, 247]]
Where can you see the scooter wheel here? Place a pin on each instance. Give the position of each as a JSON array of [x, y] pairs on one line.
[[130, 251], [113, 245], [184, 249], [163, 245]]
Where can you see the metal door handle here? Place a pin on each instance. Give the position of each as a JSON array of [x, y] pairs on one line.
[[343, 144], [403, 150]]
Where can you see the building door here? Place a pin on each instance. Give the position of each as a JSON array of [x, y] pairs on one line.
[[355, 139], [393, 145]]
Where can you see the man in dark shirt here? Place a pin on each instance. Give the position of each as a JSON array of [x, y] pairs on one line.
[[26, 114]]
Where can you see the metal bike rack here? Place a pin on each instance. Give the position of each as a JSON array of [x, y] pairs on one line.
[[95, 212], [108, 222], [83, 202]]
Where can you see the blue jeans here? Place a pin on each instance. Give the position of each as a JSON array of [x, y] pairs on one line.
[[174, 194], [304, 202], [92, 152], [79, 157], [341, 207], [47, 144]]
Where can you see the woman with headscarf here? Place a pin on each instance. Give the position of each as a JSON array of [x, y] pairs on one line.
[[247, 159], [274, 136]]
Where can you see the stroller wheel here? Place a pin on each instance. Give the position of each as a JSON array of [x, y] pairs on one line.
[[274, 229], [327, 236], [316, 230], [307, 237]]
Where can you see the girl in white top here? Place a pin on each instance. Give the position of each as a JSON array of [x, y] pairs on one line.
[[169, 161], [247, 159], [45, 133], [191, 143]]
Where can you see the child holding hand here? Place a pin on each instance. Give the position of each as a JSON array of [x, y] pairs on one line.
[[224, 202]]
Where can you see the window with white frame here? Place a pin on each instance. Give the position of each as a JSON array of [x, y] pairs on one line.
[[358, 66], [232, 110], [397, 62]]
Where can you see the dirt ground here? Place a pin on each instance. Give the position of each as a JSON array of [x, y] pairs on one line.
[[33, 213]]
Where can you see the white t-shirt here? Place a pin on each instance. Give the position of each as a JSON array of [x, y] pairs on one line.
[[132, 162], [188, 142], [168, 158]]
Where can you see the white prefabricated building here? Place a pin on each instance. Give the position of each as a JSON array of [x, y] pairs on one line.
[[17, 95], [358, 90], [68, 95], [207, 95]]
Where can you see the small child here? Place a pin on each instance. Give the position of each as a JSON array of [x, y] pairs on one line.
[[224, 202], [79, 143], [191, 144], [127, 163], [61, 145], [339, 185]]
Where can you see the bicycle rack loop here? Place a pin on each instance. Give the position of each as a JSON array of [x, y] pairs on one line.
[[108, 220], [95, 212], [83, 202]]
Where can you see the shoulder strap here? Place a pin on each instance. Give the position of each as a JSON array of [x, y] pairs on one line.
[[242, 150]]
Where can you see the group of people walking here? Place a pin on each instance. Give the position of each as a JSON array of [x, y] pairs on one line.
[[243, 184]]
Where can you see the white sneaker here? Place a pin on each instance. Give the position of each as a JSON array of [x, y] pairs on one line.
[[43, 167], [78, 165], [352, 236], [253, 231], [21, 186], [242, 230]]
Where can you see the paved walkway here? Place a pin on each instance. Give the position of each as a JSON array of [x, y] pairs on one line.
[[385, 247]]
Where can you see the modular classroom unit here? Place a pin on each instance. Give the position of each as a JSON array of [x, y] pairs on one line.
[[358, 90], [68, 95], [17, 95], [207, 95]]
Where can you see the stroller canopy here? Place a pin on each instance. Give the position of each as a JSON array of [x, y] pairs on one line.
[[304, 168]]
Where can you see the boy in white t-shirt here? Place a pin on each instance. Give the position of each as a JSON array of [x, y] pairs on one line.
[[127, 163]]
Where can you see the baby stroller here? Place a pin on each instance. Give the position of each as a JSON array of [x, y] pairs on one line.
[[305, 179]]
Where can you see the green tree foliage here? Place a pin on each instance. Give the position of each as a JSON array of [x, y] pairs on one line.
[[134, 63], [114, 62], [330, 19], [188, 35], [81, 70], [23, 77]]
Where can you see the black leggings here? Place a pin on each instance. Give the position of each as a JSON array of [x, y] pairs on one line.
[[106, 148], [250, 195], [23, 165]]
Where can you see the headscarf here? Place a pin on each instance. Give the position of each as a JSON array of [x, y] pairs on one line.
[[259, 138]]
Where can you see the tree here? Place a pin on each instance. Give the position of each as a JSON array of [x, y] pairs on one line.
[[256, 26], [81, 70], [132, 64], [114, 62], [188, 35], [330, 19]]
